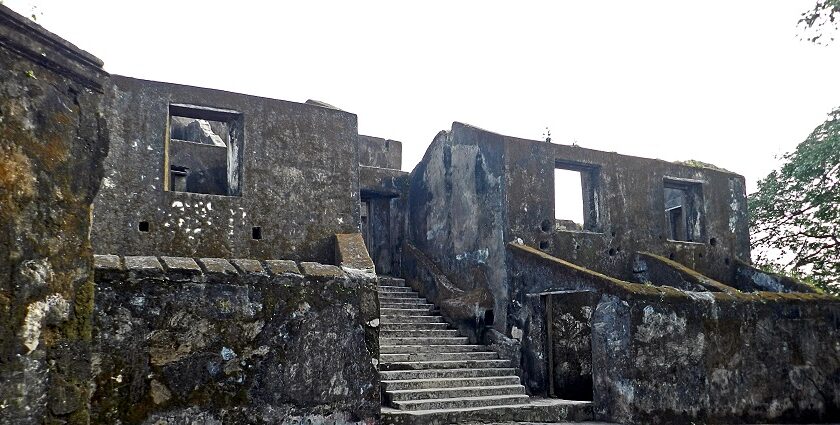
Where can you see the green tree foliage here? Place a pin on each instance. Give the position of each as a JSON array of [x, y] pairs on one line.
[[795, 214], [821, 22]]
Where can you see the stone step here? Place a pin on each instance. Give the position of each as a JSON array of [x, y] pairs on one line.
[[461, 402], [455, 392], [388, 311], [396, 289], [400, 375], [402, 300], [537, 410], [424, 341], [446, 364], [410, 349], [420, 384], [420, 333], [411, 319], [391, 281], [424, 305], [419, 357], [396, 326]]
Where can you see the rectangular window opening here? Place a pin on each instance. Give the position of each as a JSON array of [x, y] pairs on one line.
[[575, 197], [683, 210], [256, 233], [204, 148]]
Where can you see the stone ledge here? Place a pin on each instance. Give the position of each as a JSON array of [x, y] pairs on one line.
[[31, 41], [214, 270], [282, 267], [181, 268]]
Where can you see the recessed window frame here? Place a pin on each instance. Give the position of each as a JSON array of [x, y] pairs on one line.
[[235, 121], [590, 192], [693, 210]]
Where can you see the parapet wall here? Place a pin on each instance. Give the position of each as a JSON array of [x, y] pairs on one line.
[[184, 340], [663, 355]]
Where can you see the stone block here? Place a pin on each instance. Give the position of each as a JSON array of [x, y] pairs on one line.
[[143, 267], [252, 271], [181, 269], [281, 267], [350, 251], [248, 266], [217, 270], [108, 267], [322, 271]]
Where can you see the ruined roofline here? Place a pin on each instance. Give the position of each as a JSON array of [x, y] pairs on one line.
[[124, 78], [507, 138], [30, 40]]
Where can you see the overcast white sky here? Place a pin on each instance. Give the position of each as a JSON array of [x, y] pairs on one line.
[[725, 82]]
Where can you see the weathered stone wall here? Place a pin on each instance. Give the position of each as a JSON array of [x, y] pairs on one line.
[[379, 152], [662, 355], [229, 342], [456, 213], [749, 278], [52, 143], [630, 203], [297, 183], [475, 189]]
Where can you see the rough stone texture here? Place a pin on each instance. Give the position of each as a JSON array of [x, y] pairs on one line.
[[248, 266], [316, 270], [51, 150], [749, 279], [182, 268], [295, 183], [656, 270], [475, 190], [281, 267], [350, 252], [380, 153], [232, 352], [662, 355]]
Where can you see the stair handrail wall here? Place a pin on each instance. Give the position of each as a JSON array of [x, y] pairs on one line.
[[664, 355]]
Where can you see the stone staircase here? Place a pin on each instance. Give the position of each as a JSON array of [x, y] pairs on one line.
[[432, 374]]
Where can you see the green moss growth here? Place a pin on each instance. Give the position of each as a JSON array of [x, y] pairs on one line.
[[80, 325]]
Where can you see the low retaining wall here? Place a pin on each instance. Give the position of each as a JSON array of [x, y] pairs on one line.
[[185, 340], [663, 355]]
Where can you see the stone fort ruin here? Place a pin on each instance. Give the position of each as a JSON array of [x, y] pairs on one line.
[[181, 255]]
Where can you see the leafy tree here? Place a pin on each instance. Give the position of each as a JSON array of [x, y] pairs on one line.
[[795, 214], [821, 20]]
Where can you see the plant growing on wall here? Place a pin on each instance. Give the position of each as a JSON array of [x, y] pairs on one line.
[[795, 214]]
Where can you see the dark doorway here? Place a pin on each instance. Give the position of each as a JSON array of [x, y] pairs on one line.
[[376, 230]]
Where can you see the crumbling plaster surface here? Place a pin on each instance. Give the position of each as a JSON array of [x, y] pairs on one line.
[[298, 182], [232, 342], [662, 355], [52, 143]]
